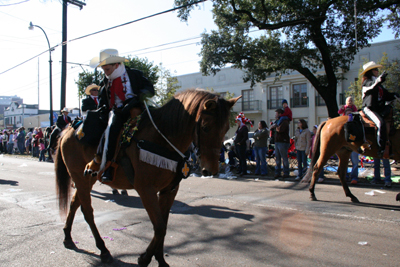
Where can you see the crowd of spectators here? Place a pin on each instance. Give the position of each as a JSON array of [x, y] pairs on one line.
[[23, 141]]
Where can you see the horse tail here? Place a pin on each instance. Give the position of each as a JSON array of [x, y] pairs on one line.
[[63, 181], [315, 154]]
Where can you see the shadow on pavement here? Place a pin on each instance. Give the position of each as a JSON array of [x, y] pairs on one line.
[[10, 182], [210, 211], [365, 204]]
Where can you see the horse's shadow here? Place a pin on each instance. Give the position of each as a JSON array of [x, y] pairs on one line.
[[122, 200], [210, 211], [10, 182], [365, 204], [95, 260]]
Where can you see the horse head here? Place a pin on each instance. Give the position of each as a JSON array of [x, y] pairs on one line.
[[212, 123]]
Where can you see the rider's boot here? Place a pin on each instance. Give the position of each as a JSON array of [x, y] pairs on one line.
[[93, 166], [108, 175]]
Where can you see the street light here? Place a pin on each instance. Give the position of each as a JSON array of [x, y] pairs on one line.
[[50, 75]]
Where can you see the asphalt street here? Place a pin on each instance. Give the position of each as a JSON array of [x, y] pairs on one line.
[[249, 221]]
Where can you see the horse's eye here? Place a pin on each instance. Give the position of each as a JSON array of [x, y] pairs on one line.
[[205, 129]]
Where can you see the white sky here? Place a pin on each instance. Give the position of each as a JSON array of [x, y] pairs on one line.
[[18, 43]]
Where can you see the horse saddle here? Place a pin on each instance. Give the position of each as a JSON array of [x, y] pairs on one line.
[[354, 128], [92, 128]]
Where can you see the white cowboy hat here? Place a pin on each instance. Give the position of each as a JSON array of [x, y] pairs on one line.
[[64, 110], [91, 87], [107, 56], [369, 66]]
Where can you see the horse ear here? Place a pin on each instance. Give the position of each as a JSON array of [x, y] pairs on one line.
[[233, 101], [210, 104]]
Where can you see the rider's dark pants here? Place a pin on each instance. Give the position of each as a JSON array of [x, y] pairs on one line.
[[117, 118]]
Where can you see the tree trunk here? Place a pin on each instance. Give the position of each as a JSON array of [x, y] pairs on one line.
[[329, 96]]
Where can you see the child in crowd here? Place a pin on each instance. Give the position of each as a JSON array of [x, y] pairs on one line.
[[349, 106], [286, 115], [42, 150]]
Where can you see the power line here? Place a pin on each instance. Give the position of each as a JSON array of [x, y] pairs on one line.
[[16, 3], [114, 27]]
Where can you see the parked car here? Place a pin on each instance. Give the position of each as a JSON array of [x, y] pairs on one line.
[[228, 143]]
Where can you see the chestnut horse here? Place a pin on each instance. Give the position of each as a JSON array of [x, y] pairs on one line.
[[190, 116], [330, 140]]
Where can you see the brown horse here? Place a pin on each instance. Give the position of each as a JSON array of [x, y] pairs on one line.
[[330, 140], [191, 116]]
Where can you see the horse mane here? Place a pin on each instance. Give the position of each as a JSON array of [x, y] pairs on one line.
[[185, 107]]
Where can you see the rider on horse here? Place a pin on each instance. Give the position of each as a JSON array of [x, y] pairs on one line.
[[63, 121], [121, 91], [374, 105]]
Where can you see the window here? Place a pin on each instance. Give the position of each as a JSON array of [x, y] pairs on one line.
[[319, 101], [276, 97], [248, 100], [300, 98]]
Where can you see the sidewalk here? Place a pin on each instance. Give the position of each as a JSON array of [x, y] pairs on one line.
[[330, 176]]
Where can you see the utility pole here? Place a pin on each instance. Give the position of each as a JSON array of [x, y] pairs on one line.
[[64, 48]]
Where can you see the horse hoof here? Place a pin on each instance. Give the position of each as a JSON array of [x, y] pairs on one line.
[[355, 200], [106, 257], [124, 192], [313, 198], [115, 192], [69, 244], [94, 174], [142, 262]]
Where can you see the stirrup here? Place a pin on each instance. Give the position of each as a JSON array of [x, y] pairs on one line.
[[108, 165]]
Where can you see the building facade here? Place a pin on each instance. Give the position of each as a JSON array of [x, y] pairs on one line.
[[15, 114], [261, 101]]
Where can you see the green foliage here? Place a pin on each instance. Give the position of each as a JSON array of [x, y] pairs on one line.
[[306, 36], [394, 20], [87, 78], [166, 86], [150, 71]]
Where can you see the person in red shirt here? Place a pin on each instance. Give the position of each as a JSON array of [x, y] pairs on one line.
[[287, 114]]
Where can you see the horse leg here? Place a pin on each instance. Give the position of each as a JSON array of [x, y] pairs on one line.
[[317, 169], [344, 156], [87, 210], [150, 203], [165, 200], [75, 203]]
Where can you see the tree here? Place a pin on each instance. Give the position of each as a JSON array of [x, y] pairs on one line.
[[392, 83], [304, 36], [87, 78], [166, 86]]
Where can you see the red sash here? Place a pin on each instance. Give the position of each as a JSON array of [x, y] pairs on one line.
[[117, 89]]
